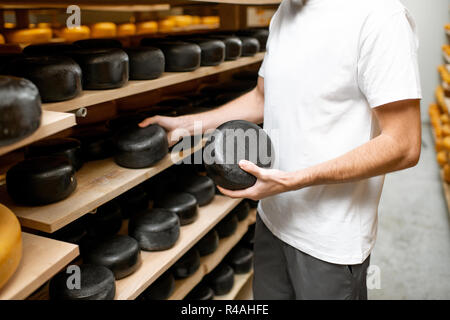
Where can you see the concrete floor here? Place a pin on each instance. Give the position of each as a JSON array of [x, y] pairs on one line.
[[412, 253]]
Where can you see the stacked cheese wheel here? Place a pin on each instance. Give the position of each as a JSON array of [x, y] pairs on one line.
[[441, 126]]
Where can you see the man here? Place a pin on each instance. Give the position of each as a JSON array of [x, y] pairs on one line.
[[340, 84]]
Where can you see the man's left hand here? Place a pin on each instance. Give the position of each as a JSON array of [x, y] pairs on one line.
[[269, 182]]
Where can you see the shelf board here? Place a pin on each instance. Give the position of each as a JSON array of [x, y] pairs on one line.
[[209, 262], [42, 259], [98, 183], [51, 123], [92, 97], [239, 281], [156, 263]]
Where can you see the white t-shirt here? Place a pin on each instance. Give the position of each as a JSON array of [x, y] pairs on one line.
[[328, 63]]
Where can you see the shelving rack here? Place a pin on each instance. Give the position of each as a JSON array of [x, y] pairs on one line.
[[101, 181]]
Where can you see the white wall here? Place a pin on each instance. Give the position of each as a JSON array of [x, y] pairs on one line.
[[430, 17]]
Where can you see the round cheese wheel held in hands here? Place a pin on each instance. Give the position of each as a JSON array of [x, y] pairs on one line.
[[119, 253], [230, 143], [20, 109], [140, 147], [183, 204], [41, 180], [65, 147], [57, 78], [155, 230], [146, 63], [96, 283], [102, 68]]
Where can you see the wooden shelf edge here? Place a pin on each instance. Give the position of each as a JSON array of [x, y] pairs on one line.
[[98, 183], [93, 97], [51, 123], [239, 281], [156, 263], [42, 258], [209, 262]]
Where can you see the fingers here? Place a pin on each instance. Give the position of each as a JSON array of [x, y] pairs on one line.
[[233, 194], [148, 122], [250, 168]]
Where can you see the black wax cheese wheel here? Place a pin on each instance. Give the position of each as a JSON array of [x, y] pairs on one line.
[[106, 221], [155, 229], [233, 46], [201, 292], [208, 244], [133, 201], [176, 102], [227, 226], [96, 283], [102, 68], [161, 289], [141, 147], [97, 43], [221, 279], [146, 63], [65, 147], [72, 233], [183, 204], [41, 180], [250, 46], [48, 49], [20, 109], [119, 253], [179, 56], [242, 210], [247, 141], [240, 259], [201, 187], [187, 265], [248, 239], [260, 34], [96, 144], [6, 58], [213, 51], [57, 78]]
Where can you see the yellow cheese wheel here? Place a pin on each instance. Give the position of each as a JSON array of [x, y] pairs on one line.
[[103, 30], [75, 33], [447, 27], [181, 21], [9, 25], [446, 49], [211, 20], [44, 25], [442, 158], [126, 29], [445, 75], [166, 25], [196, 20], [10, 244], [35, 35], [439, 144], [2, 39], [447, 173], [146, 27]]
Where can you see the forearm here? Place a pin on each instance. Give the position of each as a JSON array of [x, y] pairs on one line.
[[379, 156], [249, 106]]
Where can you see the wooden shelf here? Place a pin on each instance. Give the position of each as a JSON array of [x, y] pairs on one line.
[[209, 262], [98, 183], [51, 123], [239, 281], [156, 263], [92, 97], [42, 259]]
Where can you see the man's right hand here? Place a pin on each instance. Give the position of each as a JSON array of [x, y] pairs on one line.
[[170, 124]]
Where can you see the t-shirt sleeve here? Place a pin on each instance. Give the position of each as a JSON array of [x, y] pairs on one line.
[[387, 65], [261, 69]]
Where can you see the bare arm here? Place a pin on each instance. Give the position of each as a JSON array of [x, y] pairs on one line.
[[248, 107], [396, 148]]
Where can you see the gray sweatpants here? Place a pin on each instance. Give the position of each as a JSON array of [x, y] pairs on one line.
[[283, 272]]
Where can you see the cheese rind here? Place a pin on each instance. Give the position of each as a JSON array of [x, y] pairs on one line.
[[10, 244]]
